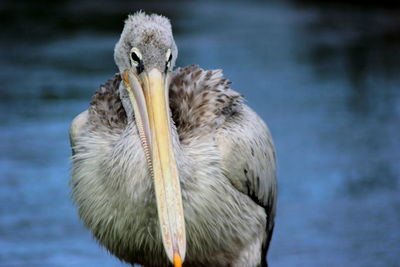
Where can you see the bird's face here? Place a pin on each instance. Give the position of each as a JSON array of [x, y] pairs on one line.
[[145, 55]]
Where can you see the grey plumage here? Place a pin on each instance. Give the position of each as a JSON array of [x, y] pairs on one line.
[[225, 159]]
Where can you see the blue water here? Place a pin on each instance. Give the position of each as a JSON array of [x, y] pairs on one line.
[[325, 78]]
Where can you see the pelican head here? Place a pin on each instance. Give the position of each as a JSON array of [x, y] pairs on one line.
[[150, 38], [145, 56]]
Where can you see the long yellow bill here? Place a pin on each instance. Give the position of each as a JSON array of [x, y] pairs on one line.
[[149, 98]]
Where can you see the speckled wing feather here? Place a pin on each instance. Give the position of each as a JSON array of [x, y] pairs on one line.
[[106, 107], [105, 111], [201, 101]]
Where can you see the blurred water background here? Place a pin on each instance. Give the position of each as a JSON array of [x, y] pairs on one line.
[[324, 75]]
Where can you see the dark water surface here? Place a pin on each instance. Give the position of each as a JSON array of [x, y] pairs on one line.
[[325, 78]]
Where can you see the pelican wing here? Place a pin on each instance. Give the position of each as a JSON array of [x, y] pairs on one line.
[[76, 129], [248, 156]]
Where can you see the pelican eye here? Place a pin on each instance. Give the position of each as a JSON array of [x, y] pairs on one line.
[[136, 60], [169, 59]]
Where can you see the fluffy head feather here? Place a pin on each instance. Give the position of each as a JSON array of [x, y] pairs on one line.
[[152, 35]]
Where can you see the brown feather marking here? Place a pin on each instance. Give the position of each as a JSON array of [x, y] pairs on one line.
[[106, 108], [201, 101]]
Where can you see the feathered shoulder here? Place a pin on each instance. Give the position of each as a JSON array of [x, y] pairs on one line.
[[201, 101], [106, 107]]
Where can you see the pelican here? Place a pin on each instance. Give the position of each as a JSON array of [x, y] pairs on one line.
[[170, 167]]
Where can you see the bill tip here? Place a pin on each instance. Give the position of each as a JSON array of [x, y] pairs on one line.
[[177, 260]]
